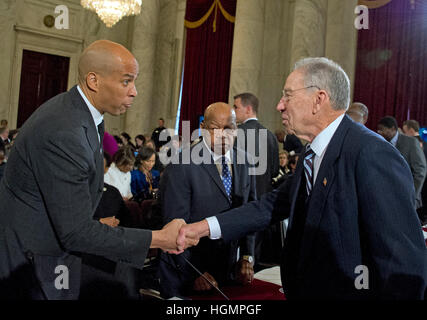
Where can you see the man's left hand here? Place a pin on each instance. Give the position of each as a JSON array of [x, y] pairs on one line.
[[245, 272]]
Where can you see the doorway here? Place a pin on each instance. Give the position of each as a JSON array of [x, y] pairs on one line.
[[43, 76]]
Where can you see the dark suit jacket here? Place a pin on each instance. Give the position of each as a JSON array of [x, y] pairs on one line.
[[361, 212], [292, 143], [410, 149], [264, 181], [48, 195], [193, 192]]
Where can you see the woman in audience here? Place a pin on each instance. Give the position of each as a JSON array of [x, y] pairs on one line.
[[118, 175], [158, 165], [126, 139], [118, 141], [111, 208], [139, 142], [145, 180]]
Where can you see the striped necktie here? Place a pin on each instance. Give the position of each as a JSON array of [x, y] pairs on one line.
[[308, 169]]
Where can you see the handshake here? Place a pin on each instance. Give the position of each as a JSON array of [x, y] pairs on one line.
[[177, 236]]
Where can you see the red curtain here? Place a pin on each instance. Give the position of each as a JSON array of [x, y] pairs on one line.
[[391, 67], [207, 59]]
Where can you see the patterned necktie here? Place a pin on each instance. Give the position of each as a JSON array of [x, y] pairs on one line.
[[226, 178], [101, 130], [308, 169]]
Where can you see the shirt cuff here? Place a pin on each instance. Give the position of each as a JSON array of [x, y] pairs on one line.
[[214, 228]]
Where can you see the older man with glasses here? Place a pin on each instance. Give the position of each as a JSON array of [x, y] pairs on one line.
[[353, 229]]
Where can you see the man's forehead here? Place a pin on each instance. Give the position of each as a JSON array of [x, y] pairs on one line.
[[293, 79]]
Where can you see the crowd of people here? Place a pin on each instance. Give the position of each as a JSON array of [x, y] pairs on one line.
[[350, 196]]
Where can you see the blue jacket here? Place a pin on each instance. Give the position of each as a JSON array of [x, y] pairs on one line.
[[139, 185]]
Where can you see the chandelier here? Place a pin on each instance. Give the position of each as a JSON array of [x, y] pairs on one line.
[[111, 11]]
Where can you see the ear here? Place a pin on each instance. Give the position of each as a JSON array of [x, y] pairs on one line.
[[321, 98], [92, 81]]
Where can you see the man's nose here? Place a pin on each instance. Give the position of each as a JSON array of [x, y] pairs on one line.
[[133, 92]]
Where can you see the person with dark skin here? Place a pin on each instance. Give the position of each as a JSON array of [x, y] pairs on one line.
[[53, 184], [196, 190]]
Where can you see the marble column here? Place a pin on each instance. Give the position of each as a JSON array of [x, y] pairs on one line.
[[144, 40], [309, 29], [246, 63], [341, 35]]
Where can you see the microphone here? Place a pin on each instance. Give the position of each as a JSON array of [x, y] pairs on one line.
[[210, 282]]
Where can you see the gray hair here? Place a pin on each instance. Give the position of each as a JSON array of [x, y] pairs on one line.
[[329, 76]]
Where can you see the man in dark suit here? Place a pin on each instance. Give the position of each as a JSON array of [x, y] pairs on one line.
[[353, 230], [412, 128], [266, 157], [155, 136], [52, 186], [410, 149], [201, 189]]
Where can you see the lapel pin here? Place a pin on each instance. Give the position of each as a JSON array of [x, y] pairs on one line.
[[325, 181]]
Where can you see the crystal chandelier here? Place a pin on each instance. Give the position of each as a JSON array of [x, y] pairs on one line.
[[111, 11]]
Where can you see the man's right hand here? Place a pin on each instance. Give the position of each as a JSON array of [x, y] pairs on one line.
[[171, 240], [200, 284]]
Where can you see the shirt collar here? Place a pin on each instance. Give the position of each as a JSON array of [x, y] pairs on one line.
[[250, 119], [393, 141], [217, 157], [96, 115], [322, 140]]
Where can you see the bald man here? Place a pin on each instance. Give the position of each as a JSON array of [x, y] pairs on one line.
[[52, 186], [197, 190], [358, 112]]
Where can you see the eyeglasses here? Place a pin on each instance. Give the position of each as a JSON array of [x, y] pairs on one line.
[[286, 96]]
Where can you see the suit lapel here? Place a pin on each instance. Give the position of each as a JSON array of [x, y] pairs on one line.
[[87, 121], [92, 137], [324, 181]]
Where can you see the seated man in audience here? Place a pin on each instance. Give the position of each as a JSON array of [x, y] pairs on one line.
[[410, 150], [198, 190], [358, 112]]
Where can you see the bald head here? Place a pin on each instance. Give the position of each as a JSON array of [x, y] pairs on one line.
[[217, 111], [358, 112], [220, 122], [103, 57], [107, 74]]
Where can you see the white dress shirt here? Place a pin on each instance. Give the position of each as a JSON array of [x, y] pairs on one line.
[[213, 221], [119, 179], [96, 115], [318, 145]]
